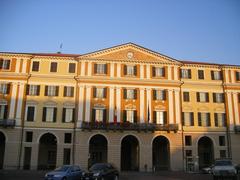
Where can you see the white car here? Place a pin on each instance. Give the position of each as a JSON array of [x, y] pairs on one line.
[[224, 168]]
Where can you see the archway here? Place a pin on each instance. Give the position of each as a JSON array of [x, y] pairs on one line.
[[97, 149], [161, 153], [205, 152], [47, 151], [2, 149], [129, 154]]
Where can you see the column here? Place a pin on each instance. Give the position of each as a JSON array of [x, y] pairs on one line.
[[177, 106], [149, 104], [141, 71], [19, 104], [13, 101], [230, 110], [142, 104], [17, 65], [148, 71], [118, 70], [88, 103], [175, 73], [83, 68], [80, 106], [169, 73], [24, 66], [111, 104], [236, 110], [112, 70], [226, 75], [118, 104], [89, 68], [170, 106], [232, 76]]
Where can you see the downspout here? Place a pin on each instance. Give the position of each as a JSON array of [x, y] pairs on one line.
[[227, 116], [22, 118]]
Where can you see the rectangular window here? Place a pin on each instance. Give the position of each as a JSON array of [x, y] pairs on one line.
[[220, 119], [67, 137], [3, 111], [223, 154], [4, 64], [33, 90], [160, 117], [186, 73], [53, 67], [216, 75], [130, 116], [100, 68], [51, 90], [158, 72], [159, 95], [222, 141], [68, 91], [202, 97], [99, 115], [237, 76], [66, 156], [130, 70], [188, 140], [49, 114], [99, 92], [35, 66], [30, 113], [4, 88], [130, 94], [68, 115], [186, 97], [218, 97], [29, 136], [188, 118], [72, 67], [204, 119], [200, 74]]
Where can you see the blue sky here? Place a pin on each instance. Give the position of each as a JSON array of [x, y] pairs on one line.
[[198, 30]]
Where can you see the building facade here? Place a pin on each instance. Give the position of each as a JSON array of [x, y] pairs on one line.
[[126, 105]]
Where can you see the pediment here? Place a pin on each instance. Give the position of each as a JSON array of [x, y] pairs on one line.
[[130, 52]]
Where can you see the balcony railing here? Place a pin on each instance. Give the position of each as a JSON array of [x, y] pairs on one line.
[[128, 126], [7, 122], [237, 129]]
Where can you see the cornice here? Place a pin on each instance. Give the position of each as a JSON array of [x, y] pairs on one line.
[[16, 55]]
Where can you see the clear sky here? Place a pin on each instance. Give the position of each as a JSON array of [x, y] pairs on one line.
[[198, 30]]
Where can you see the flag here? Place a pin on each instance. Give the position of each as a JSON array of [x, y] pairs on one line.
[[61, 45], [115, 115], [148, 114]]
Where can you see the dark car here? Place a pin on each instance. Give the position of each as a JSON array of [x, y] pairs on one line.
[[224, 168], [66, 172], [102, 171]]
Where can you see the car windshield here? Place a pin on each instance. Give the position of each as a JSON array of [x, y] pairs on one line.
[[223, 163], [62, 168], [96, 167]]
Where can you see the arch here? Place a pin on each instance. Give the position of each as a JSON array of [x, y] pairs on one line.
[[205, 152], [129, 134], [43, 133], [130, 153], [160, 153], [98, 149], [2, 148], [47, 155]]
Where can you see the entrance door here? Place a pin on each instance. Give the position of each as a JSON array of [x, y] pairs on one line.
[[2, 149], [97, 149], [161, 153], [27, 157], [205, 152], [129, 154]]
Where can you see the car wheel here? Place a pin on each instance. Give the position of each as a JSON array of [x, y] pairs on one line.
[[116, 177], [64, 178], [215, 178], [235, 178]]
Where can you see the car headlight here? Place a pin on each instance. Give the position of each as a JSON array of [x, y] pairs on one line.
[[96, 174], [46, 175], [57, 175]]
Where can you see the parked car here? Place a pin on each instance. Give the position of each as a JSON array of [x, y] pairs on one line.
[[224, 168], [102, 171], [207, 170], [66, 172]]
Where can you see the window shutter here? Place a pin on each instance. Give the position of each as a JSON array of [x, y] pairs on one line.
[[57, 90], [8, 64], [73, 115], [65, 91], [135, 117], [124, 115], [72, 91], [44, 114], [30, 113], [8, 88], [198, 97], [216, 119], [221, 75], [189, 73], [207, 94], [135, 93], [135, 70], [224, 119], [27, 90], [104, 115], [154, 117], [5, 115], [199, 119], [212, 75], [163, 71], [164, 95], [95, 68], [192, 118], [154, 94], [125, 70], [93, 115], [94, 92], [181, 73], [208, 119], [54, 114], [46, 91], [38, 90], [223, 97], [105, 92], [214, 97], [125, 93], [165, 117], [105, 68], [153, 71], [183, 119], [64, 115], [1, 63]]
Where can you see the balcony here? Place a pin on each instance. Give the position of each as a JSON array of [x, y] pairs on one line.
[[7, 122], [237, 129], [128, 126]]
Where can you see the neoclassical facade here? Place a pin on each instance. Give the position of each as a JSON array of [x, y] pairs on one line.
[[126, 105]]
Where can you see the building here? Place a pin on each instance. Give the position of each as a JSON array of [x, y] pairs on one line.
[[127, 105]]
